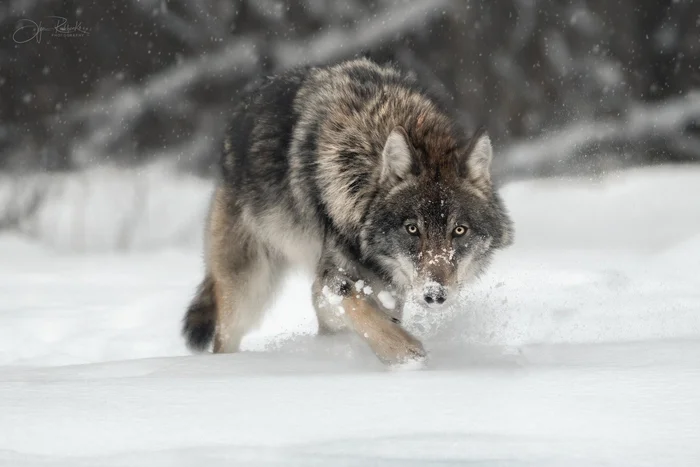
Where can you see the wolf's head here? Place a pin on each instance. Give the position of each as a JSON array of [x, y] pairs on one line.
[[436, 218]]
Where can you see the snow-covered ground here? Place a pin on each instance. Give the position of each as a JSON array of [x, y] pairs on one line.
[[580, 347]]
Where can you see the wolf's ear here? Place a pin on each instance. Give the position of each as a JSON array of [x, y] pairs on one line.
[[397, 157], [476, 163]]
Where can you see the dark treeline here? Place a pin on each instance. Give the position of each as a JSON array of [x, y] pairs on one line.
[[561, 85]]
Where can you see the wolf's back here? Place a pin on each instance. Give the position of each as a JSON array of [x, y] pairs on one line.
[[303, 148]]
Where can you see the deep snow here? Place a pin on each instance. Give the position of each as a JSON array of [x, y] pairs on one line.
[[581, 346]]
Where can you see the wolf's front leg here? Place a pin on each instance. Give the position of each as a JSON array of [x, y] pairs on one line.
[[389, 341], [340, 304]]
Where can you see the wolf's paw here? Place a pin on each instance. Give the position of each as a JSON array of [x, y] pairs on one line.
[[413, 358], [397, 347], [409, 365]]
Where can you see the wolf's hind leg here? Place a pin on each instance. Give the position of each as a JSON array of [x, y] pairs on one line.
[[243, 273], [243, 291]]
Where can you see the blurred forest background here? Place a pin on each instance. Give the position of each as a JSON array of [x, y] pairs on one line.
[[131, 95]]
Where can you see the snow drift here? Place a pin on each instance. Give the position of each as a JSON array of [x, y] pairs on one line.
[[581, 346]]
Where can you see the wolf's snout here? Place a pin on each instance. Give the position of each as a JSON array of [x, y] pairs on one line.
[[434, 294]]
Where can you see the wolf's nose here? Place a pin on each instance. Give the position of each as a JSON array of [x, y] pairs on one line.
[[435, 295]]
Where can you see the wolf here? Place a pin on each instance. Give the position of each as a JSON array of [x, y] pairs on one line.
[[356, 172]]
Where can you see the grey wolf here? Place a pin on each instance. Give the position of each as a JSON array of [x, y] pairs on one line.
[[355, 172]]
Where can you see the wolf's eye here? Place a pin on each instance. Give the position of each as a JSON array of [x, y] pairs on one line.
[[459, 231], [412, 229]]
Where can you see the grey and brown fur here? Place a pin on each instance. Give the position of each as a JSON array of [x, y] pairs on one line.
[[356, 173]]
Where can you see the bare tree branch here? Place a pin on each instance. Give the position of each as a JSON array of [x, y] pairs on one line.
[[641, 122], [382, 28], [110, 118]]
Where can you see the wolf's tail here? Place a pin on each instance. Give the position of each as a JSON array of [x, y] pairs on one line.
[[199, 323]]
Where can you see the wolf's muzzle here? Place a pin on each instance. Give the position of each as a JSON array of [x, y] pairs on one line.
[[434, 294]]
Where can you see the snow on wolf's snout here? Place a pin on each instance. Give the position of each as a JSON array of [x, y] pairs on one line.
[[435, 231]]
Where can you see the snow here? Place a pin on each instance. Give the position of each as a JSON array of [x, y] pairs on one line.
[[387, 300], [333, 299], [580, 347], [107, 208]]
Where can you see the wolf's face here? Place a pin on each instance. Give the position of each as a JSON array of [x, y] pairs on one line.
[[432, 230]]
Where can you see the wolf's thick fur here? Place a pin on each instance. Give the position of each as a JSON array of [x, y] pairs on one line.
[[355, 171]]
